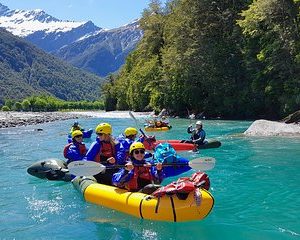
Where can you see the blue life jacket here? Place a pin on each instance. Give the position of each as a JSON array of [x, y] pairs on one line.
[[166, 154]]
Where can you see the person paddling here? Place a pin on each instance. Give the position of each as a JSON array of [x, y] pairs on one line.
[[129, 137], [75, 150], [76, 126], [106, 151], [138, 174], [197, 134]]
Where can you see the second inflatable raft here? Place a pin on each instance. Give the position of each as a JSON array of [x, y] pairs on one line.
[[166, 208]]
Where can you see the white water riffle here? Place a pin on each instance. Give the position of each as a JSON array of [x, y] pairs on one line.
[[271, 128]]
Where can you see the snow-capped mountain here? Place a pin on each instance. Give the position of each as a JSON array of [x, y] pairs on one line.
[[24, 23], [83, 44], [105, 51]]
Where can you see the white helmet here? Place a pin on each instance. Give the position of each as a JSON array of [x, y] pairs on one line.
[[199, 123]]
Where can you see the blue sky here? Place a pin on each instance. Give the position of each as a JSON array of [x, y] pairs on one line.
[[103, 13]]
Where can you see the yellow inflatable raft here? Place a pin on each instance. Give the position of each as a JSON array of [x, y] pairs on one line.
[[166, 208], [154, 129]]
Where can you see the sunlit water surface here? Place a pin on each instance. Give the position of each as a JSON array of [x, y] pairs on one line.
[[255, 184]]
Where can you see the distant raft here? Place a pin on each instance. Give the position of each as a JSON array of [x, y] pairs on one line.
[[178, 145], [166, 208], [154, 129]]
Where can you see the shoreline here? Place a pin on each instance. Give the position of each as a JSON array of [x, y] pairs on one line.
[[16, 119]]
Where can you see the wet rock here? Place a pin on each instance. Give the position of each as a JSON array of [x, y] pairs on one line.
[[271, 128]]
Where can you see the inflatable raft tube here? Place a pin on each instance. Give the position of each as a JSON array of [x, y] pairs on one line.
[[179, 146], [140, 205], [155, 129]]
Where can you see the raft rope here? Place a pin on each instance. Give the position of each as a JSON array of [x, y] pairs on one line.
[[141, 204], [173, 207]]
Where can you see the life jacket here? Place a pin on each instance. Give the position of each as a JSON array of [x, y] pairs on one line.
[[165, 153], [158, 124], [82, 149], [183, 186], [66, 148], [149, 142], [140, 173], [106, 151]]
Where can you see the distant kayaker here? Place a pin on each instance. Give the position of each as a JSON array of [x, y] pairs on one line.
[[106, 151], [76, 126], [197, 134], [75, 150], [138, 173]]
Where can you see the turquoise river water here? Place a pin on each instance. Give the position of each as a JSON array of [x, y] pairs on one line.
[[255, 184]]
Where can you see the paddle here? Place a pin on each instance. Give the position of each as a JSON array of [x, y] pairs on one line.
[[133, 117], [89, 168], [189, 116], [136, 123]]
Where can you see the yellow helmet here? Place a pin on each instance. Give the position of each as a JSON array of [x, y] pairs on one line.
[[76, 133], [130, 131], [104, 128], [136, 145]]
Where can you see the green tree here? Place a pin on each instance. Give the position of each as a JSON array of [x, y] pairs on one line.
[[5, 108], [18, 106], [25, 105], [9, 103], [272, 54]]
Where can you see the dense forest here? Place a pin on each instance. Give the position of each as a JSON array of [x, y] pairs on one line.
[[230, 59], [49, 103]]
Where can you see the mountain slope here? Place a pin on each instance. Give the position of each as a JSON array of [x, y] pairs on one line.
[[104, 52], [27, 70], [81, 43]]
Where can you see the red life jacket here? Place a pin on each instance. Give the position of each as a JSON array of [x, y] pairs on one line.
[[66, 148], [106, 151], [82, 149], [142, 173]]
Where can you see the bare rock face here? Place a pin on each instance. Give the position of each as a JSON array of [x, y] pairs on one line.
[[271, 128], [292, 118]]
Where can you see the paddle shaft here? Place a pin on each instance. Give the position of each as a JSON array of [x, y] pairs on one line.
[[149, 165], [87, 168]]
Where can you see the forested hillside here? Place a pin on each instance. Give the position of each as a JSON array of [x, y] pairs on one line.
[[26, 70], [230, 59]]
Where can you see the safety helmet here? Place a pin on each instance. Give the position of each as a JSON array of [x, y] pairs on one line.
[[76, 133], [130, 131], [104, 128], [136, 145], [76, 123], [199, 123]]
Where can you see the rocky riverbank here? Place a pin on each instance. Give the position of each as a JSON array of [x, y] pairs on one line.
[[14, 119]]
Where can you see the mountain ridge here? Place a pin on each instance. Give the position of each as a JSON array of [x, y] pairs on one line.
[[26, 70], [61, 38]]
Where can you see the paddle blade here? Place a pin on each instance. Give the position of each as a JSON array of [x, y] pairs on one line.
[[203, 163], [85, 168]]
